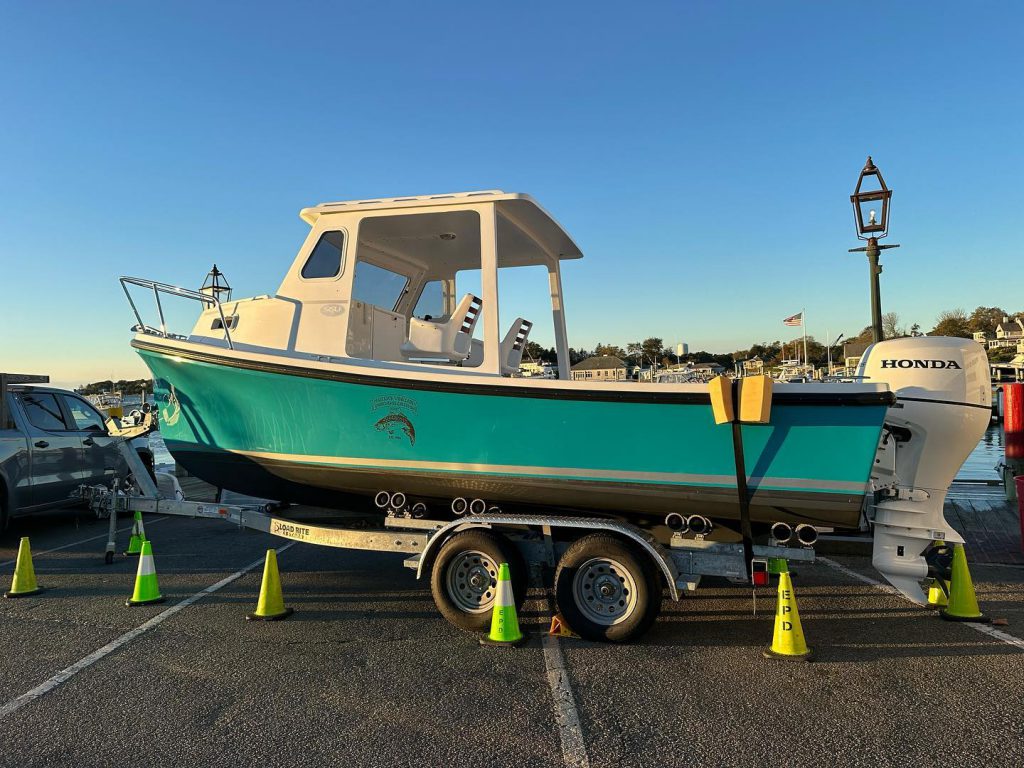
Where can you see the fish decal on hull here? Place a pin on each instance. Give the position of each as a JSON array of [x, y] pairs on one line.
[[396, 424]]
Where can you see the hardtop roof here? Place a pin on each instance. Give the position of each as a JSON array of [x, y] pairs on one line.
[[516, 208]]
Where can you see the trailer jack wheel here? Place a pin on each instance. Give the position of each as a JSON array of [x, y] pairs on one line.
[[464, 577], [606, 590]]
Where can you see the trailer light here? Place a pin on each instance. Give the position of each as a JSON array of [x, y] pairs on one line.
[[759, 572]]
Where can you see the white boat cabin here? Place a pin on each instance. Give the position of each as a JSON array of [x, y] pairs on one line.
[[409, 280]]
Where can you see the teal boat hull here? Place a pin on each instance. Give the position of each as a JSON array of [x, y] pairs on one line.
[[335, 438]]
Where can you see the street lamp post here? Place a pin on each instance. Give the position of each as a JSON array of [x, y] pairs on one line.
[[870, 195]]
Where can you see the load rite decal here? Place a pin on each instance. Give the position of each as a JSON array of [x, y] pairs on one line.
[[920, 364]]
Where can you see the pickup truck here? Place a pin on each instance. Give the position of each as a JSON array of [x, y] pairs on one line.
[[52, 441]]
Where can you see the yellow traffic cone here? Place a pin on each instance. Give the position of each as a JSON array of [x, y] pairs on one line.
[[504, 623], [938, 593], [147, 591], [963, 604], [271, 603], [788, 641], [138, 536], [24, 583]]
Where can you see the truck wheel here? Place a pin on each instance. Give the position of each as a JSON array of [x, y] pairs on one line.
[[606, 590], [464, 578]]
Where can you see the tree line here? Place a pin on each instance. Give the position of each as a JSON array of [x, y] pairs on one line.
[[124, 386], [954, 322]]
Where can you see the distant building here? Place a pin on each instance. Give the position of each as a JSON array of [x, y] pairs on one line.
[[600, 368], [707, 371], [753, 367], [538, 370], [1008, 333], [853, 351]]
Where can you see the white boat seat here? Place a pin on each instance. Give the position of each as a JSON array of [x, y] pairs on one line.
[[449, 340], [513, 344]]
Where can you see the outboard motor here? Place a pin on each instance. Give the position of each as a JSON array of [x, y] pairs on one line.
[[943, 406]]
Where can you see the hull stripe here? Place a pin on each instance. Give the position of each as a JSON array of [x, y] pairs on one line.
[[826, 486]]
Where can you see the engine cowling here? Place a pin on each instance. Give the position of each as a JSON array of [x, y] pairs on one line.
[[943, 407]]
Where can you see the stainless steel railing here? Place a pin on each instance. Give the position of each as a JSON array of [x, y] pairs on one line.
[[171, 290]]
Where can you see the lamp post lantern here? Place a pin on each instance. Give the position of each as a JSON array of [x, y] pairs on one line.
[[870, 201]]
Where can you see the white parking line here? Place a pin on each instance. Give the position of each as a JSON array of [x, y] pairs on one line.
[[83, 541], [84, 663], [574, 750], [985, 629]]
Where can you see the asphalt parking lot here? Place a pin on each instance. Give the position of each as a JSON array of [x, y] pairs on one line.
[[366, 673]]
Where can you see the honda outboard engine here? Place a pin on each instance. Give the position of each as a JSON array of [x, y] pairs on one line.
[[943, 406]]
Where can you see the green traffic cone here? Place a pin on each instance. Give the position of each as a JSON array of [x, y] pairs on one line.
[[138, 536], [147, 591], [504, 622], [963, 603]]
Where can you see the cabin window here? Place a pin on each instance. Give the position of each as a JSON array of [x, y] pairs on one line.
[[431, 302], [325, 260], [43, 412], [378, 286]]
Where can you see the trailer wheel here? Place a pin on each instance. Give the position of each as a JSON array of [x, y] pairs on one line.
[[606, 590], [464, 577]]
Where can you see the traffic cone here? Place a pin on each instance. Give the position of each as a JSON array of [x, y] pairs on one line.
[[147, 591], [963, 604], [138, 536], [271, 603], [788, 641], [24, 583], [504, 623], [938, 593], [559, 628]]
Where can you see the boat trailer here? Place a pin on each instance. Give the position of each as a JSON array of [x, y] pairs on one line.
[[540, 540]]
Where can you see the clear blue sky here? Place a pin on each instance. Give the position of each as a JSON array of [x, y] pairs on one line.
[[702, 154]]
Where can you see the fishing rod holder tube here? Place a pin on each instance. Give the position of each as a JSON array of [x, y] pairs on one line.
[[782, 532], [459, 506], [699, 525], [477, 507], [398, 501], [806, 534], [382, 500], [676, 522], [419, 509]]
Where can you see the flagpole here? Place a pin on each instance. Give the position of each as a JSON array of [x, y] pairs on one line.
[[828, 341], [803, 322]]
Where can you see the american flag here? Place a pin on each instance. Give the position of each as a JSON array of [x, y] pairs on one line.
[[797, 319]]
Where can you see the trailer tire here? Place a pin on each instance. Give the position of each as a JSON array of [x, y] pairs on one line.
[[606, 590], [474, 555]]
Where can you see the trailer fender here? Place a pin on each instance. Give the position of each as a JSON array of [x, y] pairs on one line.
[[631, 533]]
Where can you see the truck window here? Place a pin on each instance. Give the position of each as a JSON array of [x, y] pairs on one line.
[[43, 411], [86, 418]]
